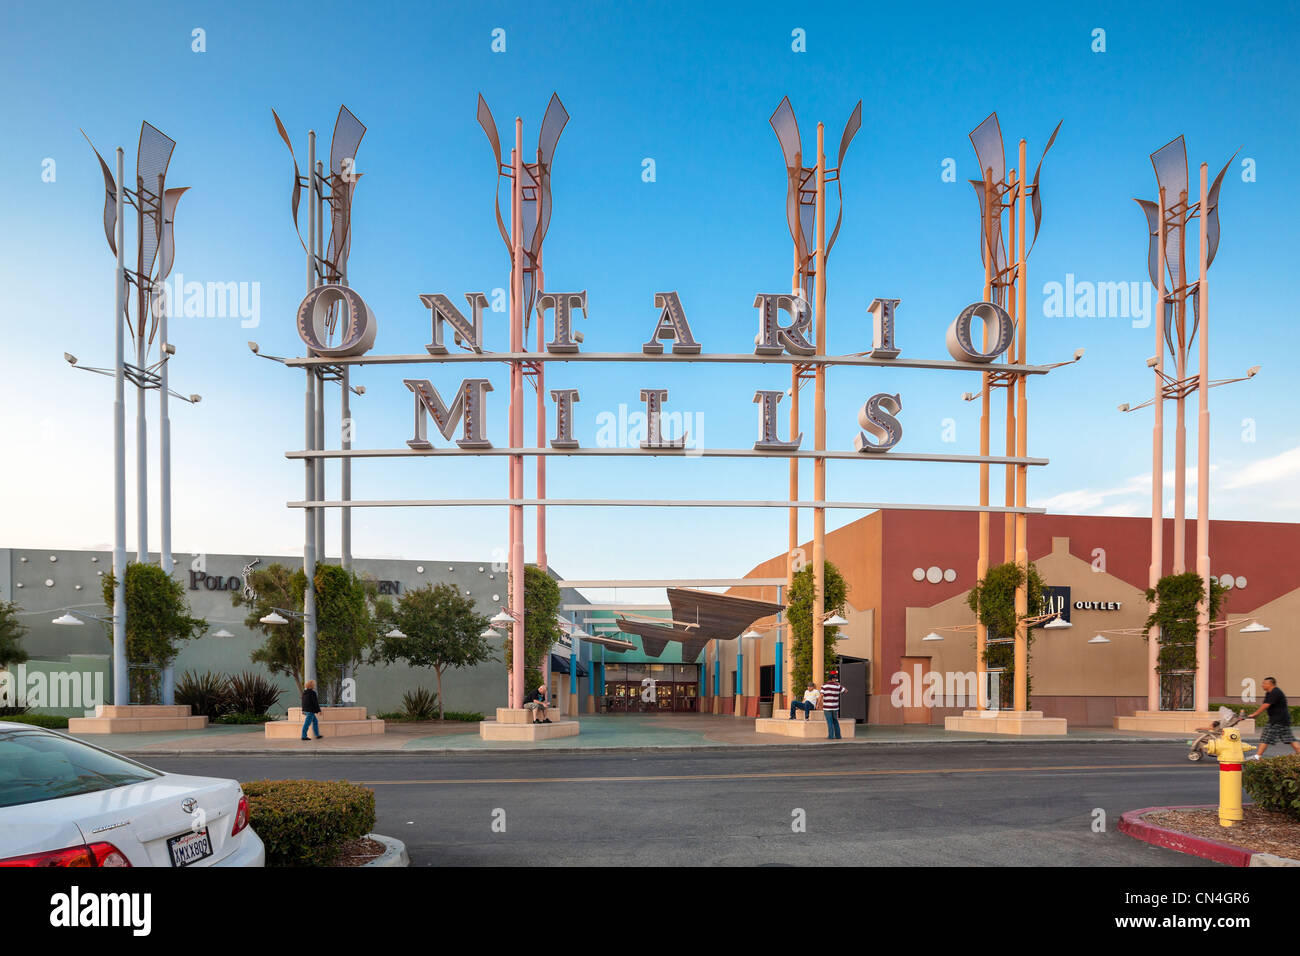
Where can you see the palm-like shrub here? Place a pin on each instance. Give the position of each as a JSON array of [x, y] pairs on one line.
[[208, 694], [420, 704], [251, 693]]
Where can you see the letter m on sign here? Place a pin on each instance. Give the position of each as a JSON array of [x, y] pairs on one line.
[[468, 405]]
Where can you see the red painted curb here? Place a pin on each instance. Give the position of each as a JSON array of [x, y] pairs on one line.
[[1135, 826]]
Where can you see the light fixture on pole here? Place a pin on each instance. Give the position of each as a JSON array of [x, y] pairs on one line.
[[1099, 639], [1254, 627], [932, 636], [273, 618], [1057, 623], [73, 618], [835, 620], [223, 633], [395, 633]]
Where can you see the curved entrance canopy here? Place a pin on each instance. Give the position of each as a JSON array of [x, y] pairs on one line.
[[698, 617]]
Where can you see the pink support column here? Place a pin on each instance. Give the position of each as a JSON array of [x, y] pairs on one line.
[[1203, 464], [1157, 470], [517, 421]]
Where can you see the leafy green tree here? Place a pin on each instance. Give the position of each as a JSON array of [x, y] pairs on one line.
[[1176, 598], [157, 615], [993, 600], [799, 612], [541, 631], [344, 622], [442, 631], [276, 586], [345, 626], [11, 632]]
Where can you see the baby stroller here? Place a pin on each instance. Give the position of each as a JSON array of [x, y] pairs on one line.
[[1227, 718]]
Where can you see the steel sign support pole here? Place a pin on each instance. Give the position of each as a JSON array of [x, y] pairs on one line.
[[1180, 426], [1157, 471], [1022, 439], [982, 564], [539, 285], [141, 434], [1008, 520], [309, 543], [165, 457], [517, 419], [819, 427], [121, 687], [1203, 460]]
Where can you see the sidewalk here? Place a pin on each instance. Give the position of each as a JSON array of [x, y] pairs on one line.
[[599, 733]]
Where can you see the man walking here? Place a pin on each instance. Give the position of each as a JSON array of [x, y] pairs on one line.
[[1278, 728], [831, 691], [310, 708]]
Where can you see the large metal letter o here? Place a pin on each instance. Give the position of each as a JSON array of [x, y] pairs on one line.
[[960, 345], [359, 325]]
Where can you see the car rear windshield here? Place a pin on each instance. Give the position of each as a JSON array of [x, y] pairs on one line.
[[37, 766]]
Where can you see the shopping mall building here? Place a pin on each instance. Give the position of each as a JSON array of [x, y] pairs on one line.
[[907, 572]]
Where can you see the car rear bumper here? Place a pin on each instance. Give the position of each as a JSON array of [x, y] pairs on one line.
[[251, 852]]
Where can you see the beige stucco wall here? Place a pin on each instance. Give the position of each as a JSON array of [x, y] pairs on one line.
[[1275, 654], [1063, 662]]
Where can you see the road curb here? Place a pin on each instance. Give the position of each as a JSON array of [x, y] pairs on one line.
[[394, 851], [662, 750], [1135, 826]]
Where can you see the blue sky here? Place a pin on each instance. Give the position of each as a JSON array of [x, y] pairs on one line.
[[691, 88]]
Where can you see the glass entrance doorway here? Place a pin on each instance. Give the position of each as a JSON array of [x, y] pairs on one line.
[[651, 688]]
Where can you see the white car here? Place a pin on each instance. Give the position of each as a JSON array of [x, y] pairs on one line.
[[64, 802]]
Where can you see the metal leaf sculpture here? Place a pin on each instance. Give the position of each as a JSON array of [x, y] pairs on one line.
[[1212, 214], [1034, 197], [801, 184], [536, 180], [850, 130], [989, 151], [171, 198], [110, 198], [297, 178], [343, 178]]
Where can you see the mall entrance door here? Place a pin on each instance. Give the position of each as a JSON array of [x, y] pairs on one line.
[[645, 688]]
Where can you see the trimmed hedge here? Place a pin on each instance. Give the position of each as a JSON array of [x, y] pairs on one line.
[[306, 822], [1251, 708], [48, 721], [1274, 783]]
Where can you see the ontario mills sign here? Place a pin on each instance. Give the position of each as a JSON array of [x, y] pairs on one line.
[[784, 334]]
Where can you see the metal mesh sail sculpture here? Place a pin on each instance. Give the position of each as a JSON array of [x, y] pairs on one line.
[[801, 187], [155, 207], [996, 195], [536, 190], [333, 187], [1170, 164]]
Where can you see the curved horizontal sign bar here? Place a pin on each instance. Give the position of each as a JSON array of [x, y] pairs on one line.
[[649, 503], [663, 452], [727, 358]]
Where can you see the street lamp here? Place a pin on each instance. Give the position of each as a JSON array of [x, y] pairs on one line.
[[274, 618], [1254, 627], [395, 633]]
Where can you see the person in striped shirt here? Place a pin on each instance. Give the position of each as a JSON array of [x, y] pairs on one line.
[[831, 691]]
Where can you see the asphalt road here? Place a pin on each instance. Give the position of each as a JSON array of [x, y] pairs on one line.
[[970, 804]]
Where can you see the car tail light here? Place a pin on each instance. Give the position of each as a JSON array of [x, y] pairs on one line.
[[241, 815], [95, 854]]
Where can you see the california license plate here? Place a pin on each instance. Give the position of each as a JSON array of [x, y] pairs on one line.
[[189, 848]]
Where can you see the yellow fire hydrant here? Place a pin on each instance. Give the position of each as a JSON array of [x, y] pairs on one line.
[[1231, 752]]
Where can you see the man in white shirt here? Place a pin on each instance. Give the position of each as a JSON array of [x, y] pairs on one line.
[[809, 702]]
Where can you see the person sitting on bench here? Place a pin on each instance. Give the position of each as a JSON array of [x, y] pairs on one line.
[[536, 702], [808, 703]]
